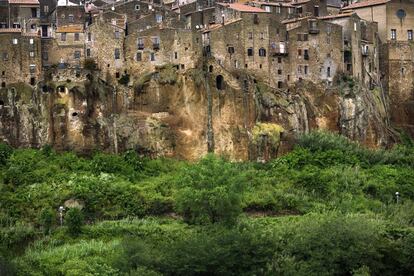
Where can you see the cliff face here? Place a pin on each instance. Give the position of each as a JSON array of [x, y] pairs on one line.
[[185, 115]]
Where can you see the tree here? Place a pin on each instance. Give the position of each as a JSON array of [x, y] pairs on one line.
[[210, 191], [74, 221]]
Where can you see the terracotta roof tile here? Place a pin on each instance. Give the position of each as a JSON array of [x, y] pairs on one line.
[[24, 2], [243, 8], [364, 4]]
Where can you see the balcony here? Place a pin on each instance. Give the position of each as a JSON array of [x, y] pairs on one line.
[[279, 49], [313, 30]]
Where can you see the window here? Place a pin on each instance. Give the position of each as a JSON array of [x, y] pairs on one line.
[[316, 10], [71, 18], [236, 64], [230, 50], [250, 36], [31, 41], [77, 54], [393, 34], [139, 56], [262, 52], [45, 56], [46, 9], [328, 72], [156, 43], [5, 56], [279, 60], [279, 84], [261, 36], [306, 69], [219, 82], [299, 52], [299, 69], [63, 37], [152, 56], [267, 8], [158, 18], [31, 54], [140, 43], [15, 41], [137, 7], [299, 10], [89, 36], [117, 35], [250, 52], [278, 9], [117, 53], [255, 19], [279, 71], [32, 68], [306, 54], [410, 34], [76, 36]]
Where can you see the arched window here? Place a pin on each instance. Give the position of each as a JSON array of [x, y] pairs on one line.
[[220, 82], [262, 52]]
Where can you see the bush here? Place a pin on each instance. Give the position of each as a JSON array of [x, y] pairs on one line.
[[47, 219], [90, 64], [210, 191], [74, 221], [5, 152]]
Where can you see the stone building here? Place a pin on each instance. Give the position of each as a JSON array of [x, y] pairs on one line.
[[361, 47], [395, 20], [104, 41], [20, 59], [248, 43], [315, 50]]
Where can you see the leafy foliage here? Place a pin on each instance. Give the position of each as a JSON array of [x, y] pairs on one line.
[[210, 192]]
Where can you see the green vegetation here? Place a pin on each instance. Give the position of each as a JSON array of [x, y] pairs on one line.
[[326, 208]]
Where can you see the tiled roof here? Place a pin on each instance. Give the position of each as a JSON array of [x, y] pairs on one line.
[[24, 2], [298, 2], [339, 15], [243, 8], [366, 3], [287, 21], [218, 26], [278, 4], [70, 29]]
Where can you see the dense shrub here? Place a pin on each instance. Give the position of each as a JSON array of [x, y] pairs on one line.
[[5, 152], [210, 191], [74, 221]]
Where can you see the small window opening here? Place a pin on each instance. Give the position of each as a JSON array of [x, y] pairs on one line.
[[3, 84], [74, 114], [220, 82], [32, 81], [210, 69], [117, 75]]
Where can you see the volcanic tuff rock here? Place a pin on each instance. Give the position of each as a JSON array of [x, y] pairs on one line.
[[174, 118]]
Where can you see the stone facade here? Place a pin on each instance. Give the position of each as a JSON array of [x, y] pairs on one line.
[[227, 65]]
